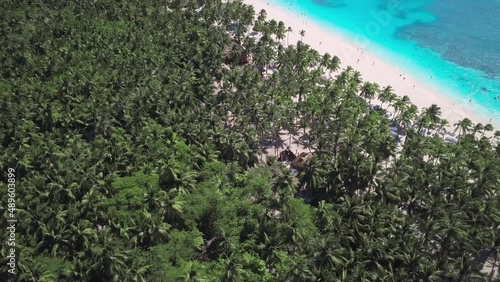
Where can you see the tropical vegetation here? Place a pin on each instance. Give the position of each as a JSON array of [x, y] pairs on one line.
[[143, 136]]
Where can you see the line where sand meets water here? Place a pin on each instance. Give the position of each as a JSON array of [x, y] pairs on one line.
[[373, 68]]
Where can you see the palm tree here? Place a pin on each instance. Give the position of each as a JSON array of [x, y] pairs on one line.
[[334, 64], [301, 270], [314, 176], [324, 216], [53, 239], [478, 128], [262, 15], [173, 178], [76, 273], [152, 230], [108, 262], [496, 136], [431, 116], [82, 237], [369, 90], [190, 274], [400, 105], [302, 34], [407, 116], [463, 126], [386, 95], [442, 124], [284, 183], [280, 31], [325, 60], [167, 205], [234, 270], [289, 29], [487, 128]]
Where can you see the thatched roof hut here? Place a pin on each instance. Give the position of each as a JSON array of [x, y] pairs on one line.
[[301, 161], [235, 53]]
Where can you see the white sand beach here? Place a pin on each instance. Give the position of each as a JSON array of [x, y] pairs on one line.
[[372, 68]]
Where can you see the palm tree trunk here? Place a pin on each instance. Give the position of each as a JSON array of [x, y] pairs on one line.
[[492, 272]]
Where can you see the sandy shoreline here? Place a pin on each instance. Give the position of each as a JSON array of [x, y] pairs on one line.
[[372, 68]]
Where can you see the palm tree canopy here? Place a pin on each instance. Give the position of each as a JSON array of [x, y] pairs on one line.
[[139, 143]]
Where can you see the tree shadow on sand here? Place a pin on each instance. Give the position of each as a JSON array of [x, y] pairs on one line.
[[305, 140], [272, 144]]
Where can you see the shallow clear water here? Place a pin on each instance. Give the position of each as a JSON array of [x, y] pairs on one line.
[[456, 42]]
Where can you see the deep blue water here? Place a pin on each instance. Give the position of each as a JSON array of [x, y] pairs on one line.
[[456, 42]]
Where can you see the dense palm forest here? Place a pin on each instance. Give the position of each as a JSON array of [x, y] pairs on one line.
[[143, 136]]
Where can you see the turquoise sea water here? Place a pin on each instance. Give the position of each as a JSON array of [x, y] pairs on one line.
[[456, 42]]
